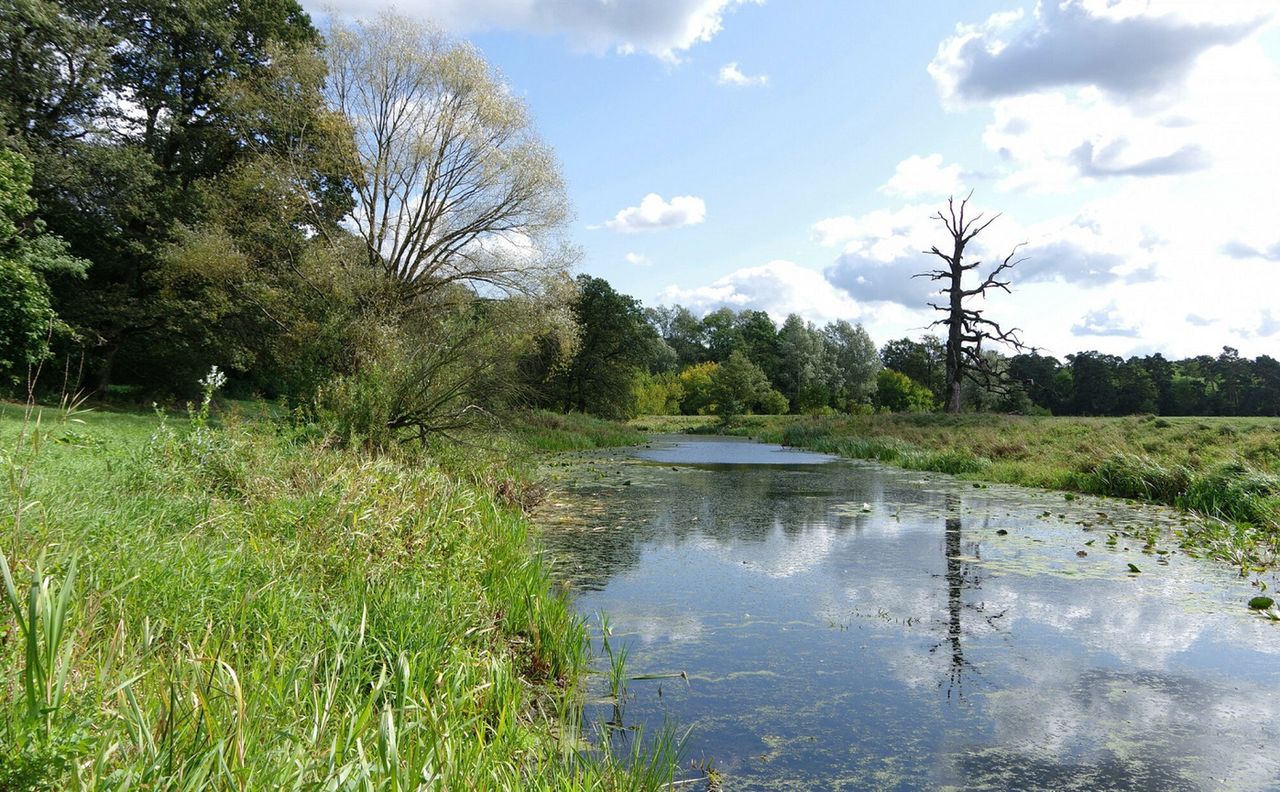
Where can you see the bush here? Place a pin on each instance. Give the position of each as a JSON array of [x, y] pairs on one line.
[[657, 394], [697, 395], [896, 392]]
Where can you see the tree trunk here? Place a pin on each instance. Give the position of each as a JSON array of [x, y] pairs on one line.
[[955, 330], [104, 369]]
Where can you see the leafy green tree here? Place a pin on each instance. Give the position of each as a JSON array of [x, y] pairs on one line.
[[658, 394], [923, 361], [1162, 373], [1038, 376], [615, 344], [854, 363], [720, 329], [682, 331], [1093, 375], [127, 165], [1264, 398], [54, 58], [1190, 395], [803, 375], [28, 255], [1234, 378], [896, 392], [263, 282], [760, 340], [739, 386], [1136, 392], [696, 387]]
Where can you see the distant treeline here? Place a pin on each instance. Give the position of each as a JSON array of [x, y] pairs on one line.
[[667, 360]]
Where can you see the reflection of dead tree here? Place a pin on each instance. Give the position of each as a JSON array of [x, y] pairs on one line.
[[955, 590], [959, 576]]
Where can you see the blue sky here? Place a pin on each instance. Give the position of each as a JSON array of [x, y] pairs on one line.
[[796, 150]]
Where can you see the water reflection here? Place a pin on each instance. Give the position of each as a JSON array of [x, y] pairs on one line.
[[848, 624], [955, 589]]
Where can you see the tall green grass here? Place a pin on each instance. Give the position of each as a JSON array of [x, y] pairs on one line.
[[191, 607], [548, 431]]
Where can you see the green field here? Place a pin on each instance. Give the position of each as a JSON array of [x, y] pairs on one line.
[[1224, 469], [245, 607]]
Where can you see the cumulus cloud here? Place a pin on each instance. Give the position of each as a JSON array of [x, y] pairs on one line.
[[654, 214], [1127, 49], [1241, 250], [882, 250], [1054, 142], [883, 233], [1269, 325], [777, 288], [1198, 321], [1106, 321], [638, 260], [662, 28], [917, 175], [1070, 261], [1091, 90], [869, 280], [730, 74], [1109, 160]]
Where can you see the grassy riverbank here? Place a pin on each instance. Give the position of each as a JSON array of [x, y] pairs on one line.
[[1227, 469], [243, 608]]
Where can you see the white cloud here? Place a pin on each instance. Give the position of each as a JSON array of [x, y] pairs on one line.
[[778, 288], [1106, 321], [654, 213], [1268, 324], [638, 260], [1090, 91], [662, 28], [1055, 142], [1237, 249], [1129, 49], [730, 74], [917, 175]]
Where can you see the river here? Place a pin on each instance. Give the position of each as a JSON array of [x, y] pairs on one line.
[[844, 625]]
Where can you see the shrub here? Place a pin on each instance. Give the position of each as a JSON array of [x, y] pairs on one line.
[[896, 392]]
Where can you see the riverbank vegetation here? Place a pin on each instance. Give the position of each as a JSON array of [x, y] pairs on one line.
[[239, 606]]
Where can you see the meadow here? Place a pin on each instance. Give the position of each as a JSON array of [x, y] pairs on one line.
[[195, 603]]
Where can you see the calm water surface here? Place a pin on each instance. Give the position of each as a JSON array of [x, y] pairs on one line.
[[849, 626]]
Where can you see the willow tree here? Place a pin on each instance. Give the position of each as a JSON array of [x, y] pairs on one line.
[[967, 327], [455, 186], [460, 207]]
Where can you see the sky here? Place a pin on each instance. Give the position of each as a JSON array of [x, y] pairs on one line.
[[788, 155]]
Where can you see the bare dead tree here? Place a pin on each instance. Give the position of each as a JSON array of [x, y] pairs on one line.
[[967, 328], [454, 185]]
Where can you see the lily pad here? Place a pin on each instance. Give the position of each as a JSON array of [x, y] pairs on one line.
[[1261, 603]]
